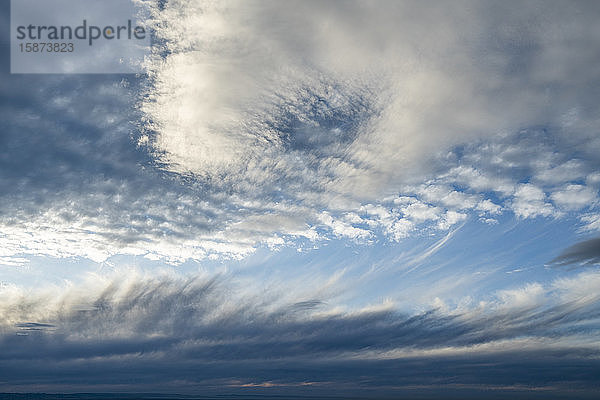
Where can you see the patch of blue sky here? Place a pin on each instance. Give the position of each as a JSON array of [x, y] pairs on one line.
[[473, 260]]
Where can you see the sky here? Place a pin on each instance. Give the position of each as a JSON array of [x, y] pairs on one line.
[[390, 199]]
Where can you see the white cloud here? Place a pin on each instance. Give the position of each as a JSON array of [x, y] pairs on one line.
[[487, 206], [477, 180], [591, 222], [440, 194], [12, 261], [530, 201], [451, 218], [343, 229], [593, 179], [568, 171], [283, 78], [574, 197], [529, 296], [421, 212]]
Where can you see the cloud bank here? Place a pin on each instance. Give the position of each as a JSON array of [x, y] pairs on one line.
[[172, 332]]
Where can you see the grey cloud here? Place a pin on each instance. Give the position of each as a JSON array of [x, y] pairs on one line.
[[207, 334], [582, 253], [33, 326]]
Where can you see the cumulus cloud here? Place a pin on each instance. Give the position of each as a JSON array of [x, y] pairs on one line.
[[530, 201], [574, 197]]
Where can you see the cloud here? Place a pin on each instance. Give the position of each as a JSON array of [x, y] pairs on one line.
[[530, 201], [582, 253], [211, 331], [285, 81], [591, 221], [263, 124], [574, 197], [343, 229], [256, 121], [571, 170], [487, 206]]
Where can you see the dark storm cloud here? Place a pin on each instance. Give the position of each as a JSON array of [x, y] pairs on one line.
[[582, 253]]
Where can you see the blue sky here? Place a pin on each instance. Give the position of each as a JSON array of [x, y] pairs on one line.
[[310, 198]]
